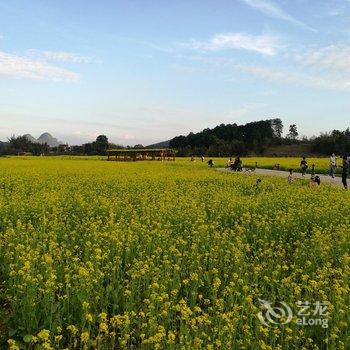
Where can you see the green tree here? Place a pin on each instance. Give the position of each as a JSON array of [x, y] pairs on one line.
[[293, 132], [101, 144], [23, 144], [277, 127]]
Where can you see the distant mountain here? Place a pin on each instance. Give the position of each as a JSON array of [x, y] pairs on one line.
[[49, 139], [44, 138], [30, 138], [163, 144]]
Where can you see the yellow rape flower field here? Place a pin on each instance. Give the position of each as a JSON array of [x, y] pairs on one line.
[[152, 255]]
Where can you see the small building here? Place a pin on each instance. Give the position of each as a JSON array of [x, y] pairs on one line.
[[131, 154], [24, 153]]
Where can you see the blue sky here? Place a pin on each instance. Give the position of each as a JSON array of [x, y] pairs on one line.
[[144, 71]]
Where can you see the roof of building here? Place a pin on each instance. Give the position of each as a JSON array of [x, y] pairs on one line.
[[139, 150]]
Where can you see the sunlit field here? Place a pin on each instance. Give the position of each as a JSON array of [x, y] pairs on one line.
[[167, 255]]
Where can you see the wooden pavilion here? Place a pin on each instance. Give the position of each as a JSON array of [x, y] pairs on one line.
[[131, 154]]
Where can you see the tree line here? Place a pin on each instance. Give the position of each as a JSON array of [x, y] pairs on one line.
[[335, 141], [256, 138], [253, 138], [229, 139], [22, 145]]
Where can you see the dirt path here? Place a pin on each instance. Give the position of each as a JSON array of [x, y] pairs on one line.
[[324, 178]]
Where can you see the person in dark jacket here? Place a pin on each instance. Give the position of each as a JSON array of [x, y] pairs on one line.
[[345, 172], [303, 166], [236, 165]]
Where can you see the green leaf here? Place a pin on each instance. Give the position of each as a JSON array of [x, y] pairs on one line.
[[12, 332], [28, 338]]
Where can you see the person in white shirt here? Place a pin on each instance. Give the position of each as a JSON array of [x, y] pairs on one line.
[[332, 165]]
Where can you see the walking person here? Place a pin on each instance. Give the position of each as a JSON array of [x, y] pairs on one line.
[[332, 165], [290, 176], [345, 172], [239, 165], [303, 166]]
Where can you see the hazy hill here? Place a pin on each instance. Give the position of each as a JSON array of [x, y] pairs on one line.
[[30, 138], [44, 138], [163, 144], [49, 139]]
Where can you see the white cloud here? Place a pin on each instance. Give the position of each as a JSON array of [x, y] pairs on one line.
[[23, 67], [332, 57], [61, 56], [128, 137], [263, 44], [299, 79], [273, 10], [327, 80], [244, 113], [86, 135]]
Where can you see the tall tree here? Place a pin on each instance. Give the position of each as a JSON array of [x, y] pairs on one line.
[[293, 132], [277, 127], [101, 144]]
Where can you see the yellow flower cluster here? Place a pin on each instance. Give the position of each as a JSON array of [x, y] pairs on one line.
[[152, 255]]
